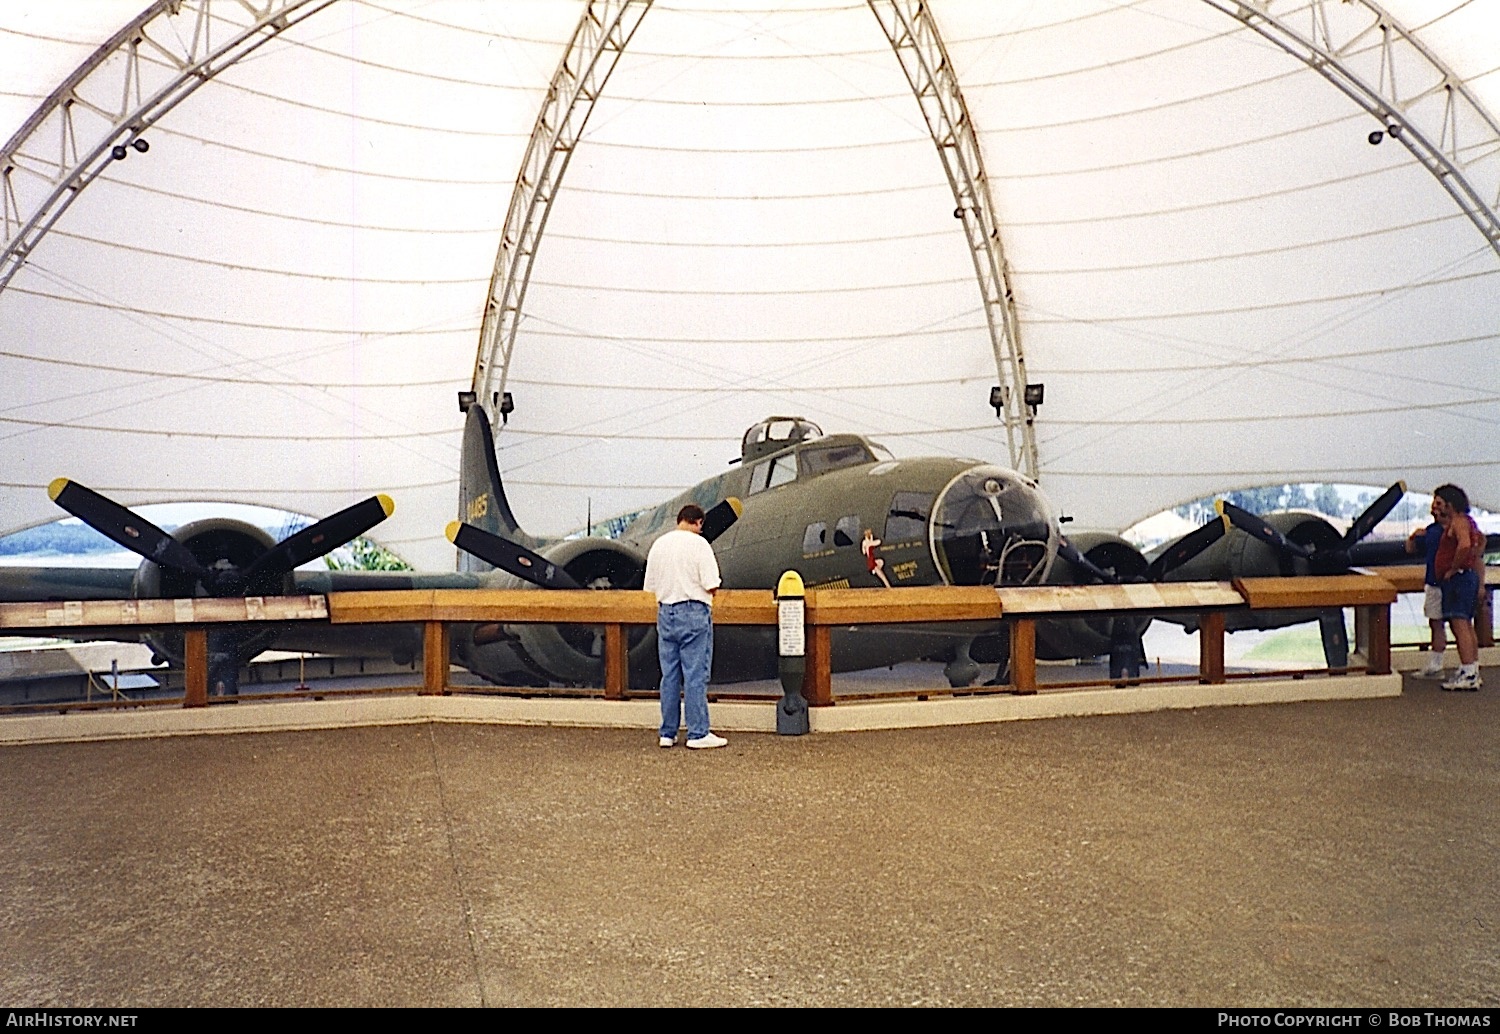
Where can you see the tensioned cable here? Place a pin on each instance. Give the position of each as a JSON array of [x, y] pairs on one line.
[[488, 231], [339, 277], [1235, 255], [1222, 202], [472, 280], [349, 409], [1090, 422], [572, 333], [1281, 474], [1209, 379], [1251, 364], [300, 436], [161, 130], [230, 493], [1266, 306], [713, 293], [303, 382], [345, 332], [849, 8]]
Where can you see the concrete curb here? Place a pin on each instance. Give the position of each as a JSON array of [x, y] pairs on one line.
[[736, 717]]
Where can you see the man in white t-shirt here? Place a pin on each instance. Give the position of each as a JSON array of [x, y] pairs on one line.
[[684, 575]]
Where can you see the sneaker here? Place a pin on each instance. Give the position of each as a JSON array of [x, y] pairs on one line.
[[707, 742], [665, 741], [1463, 682], [1433, 669]]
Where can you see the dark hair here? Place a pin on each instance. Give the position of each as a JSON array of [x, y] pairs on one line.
[[692, 513], [1454, 496]]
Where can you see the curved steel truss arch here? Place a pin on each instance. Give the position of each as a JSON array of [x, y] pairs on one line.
[[99, 112], [1388, 72], [590, 58], [919, 47]]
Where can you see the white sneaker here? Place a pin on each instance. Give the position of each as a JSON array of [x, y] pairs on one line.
[[665, 741], [707, 742], [1463, 682], [1433, 669]]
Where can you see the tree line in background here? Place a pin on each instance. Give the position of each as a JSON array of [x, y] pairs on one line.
[[1332, 500]]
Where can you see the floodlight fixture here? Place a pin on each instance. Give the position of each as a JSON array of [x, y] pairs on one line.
[[998, 396], [507, 406], [467, 399], [1034, 394], [1375, 137]]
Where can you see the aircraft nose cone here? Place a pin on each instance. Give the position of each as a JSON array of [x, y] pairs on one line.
[[992, 526]]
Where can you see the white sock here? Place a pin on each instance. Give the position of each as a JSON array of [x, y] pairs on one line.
[[1435, 658], [1469, 669]]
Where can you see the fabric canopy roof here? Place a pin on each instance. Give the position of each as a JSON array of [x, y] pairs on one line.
[[1219, 280]]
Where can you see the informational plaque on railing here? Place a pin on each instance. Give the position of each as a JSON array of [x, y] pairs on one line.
[[790, 620]]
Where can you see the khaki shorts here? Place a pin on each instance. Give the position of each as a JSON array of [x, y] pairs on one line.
[[1432, 603]]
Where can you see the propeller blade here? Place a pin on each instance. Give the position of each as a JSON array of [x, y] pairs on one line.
[[1187, 547], [1374, 513], [114, 521], [1255, 527], [1069, 552], [509, 557], [719, 520], [324, 537]]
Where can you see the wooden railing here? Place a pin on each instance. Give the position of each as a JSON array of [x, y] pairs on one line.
[[437, 610]]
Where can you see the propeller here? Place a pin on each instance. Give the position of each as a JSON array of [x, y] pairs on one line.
[[1335, 559], [1325, 560], [1126, 653], [1183, 550], [509, 557], [538, 570], [1187, 547], [140, 536]]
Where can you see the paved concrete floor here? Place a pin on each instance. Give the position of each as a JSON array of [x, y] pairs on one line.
[[1339, 853]]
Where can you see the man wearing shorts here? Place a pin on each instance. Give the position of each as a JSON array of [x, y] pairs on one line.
[[1459, 568], [1425, 541]]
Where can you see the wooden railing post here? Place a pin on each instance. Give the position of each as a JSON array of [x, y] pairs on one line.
[[195, 668], [1211, 647], [434, 658], [1377, 622], [616, 663], [1023, 656], [817, 685]]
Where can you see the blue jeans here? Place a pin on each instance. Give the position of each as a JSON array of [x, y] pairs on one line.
[[685, 646]]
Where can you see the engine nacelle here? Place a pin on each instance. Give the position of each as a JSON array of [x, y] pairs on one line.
[[213, 542], [575, 653], [1088, 637]]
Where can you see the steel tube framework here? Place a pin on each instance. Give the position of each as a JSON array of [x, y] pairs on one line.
[[918, 45], [1388, 72], [102, 109], [590, 58]]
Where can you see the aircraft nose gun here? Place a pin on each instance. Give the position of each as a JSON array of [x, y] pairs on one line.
[[791, 650]]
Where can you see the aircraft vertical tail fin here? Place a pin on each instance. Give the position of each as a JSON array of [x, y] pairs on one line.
[[481, 495]]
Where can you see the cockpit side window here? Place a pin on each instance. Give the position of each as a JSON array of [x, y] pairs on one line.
[[846, 531], [773, 472], [833, 457], [908, 517]]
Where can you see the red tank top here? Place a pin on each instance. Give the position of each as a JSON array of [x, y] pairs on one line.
[[1448, 545]]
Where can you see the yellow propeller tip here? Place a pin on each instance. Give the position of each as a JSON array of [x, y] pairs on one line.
[[56, 488], [452, 530], [386, 503], [1219, 507], [737, 506]]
